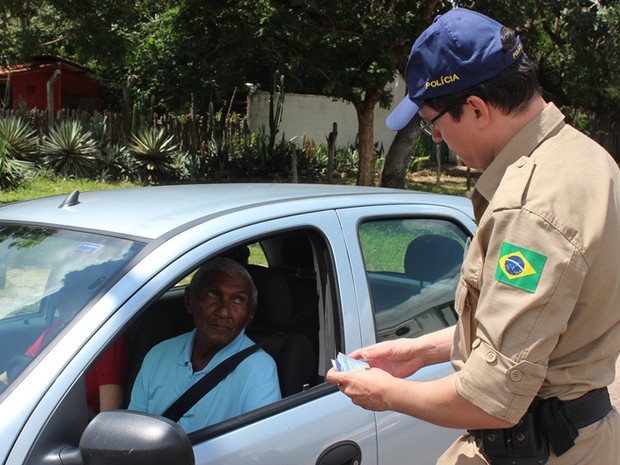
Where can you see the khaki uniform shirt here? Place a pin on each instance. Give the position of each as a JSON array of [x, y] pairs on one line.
[[539, 292]]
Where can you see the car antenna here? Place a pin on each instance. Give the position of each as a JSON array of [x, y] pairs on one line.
[[72, 200]]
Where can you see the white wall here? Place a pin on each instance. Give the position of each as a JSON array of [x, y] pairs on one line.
[[314, 115]]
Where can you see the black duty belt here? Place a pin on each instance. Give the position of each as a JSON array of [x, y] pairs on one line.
[[589, 408]]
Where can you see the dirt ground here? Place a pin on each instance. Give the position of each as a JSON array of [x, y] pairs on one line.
[[455, 179]]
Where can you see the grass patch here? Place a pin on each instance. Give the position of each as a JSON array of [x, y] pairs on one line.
[[450, 184], [44, 186]]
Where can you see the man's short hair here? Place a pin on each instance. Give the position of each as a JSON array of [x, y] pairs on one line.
[[228, 266]]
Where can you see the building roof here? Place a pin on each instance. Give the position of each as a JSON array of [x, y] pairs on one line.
[[44, 62]]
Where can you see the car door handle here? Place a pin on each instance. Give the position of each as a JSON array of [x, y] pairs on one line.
[[341, 453]]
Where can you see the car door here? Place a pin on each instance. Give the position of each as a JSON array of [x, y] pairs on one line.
[[316, 426], [402, 298], [319, 425]]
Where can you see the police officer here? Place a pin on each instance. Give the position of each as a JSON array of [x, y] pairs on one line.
[[539, 293]]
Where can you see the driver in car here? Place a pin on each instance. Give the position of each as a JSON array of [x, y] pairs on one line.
[[222, 300]]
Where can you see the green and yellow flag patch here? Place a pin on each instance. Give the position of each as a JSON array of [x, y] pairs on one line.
[[519, 267]]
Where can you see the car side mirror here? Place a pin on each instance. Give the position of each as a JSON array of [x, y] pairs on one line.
[[123, 437]]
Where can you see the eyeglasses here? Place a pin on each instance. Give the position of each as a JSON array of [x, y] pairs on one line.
[[427, 128]]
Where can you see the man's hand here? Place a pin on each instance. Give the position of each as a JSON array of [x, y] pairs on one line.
[[367, 388]]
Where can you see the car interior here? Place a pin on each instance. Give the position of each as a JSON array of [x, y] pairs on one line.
[[286, 322]]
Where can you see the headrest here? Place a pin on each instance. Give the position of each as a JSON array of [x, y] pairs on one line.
[[274, 297], [297, 252], [430, 257]]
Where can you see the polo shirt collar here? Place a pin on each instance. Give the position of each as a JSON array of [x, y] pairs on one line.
[[522, 144], [234, 346]]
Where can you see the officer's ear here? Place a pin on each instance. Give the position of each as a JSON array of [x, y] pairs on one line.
[[479, 110]]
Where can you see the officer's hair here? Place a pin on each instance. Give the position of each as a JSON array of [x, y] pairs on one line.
[[510, 91]]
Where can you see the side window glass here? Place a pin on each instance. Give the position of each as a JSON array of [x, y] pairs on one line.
[[412, 267]]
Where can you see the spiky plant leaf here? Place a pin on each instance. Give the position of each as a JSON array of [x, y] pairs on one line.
[[70, 150], [12, 170], [19, 137], [153, 152]]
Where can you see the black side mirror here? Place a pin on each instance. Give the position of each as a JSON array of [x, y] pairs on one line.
[[123, 437]]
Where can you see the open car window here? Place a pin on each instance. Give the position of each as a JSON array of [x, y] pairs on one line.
[[292, 292]]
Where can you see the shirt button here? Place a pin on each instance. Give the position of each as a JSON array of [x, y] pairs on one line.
[[491, 357], [516, 375], [476, 343]]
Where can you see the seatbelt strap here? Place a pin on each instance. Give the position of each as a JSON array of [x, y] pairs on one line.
[[199, 389]]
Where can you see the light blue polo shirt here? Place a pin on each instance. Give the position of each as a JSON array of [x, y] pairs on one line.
[[166, 373]]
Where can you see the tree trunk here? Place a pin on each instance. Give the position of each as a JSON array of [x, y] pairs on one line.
[[50, 99], [399, 155], [365, 145]]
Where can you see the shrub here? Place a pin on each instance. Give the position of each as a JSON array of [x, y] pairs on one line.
[[153, 153], [18, 142], [12, 170], [69, 150], [117, 163]]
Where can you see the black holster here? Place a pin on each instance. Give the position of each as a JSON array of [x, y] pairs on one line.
[[523, 444], [548, 423]]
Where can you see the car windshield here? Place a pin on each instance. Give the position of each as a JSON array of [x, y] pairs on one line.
[[47, 275]]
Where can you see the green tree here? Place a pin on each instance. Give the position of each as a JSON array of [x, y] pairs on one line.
[[575, 47], [351, 50], [96, 33], [200, 51]]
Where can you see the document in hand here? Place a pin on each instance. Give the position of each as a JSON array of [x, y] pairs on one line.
[[345, 363]]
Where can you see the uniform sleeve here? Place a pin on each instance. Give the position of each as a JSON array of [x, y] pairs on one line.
[[529, 277]]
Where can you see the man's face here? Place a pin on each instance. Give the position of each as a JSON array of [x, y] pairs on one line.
[[221, 307], [462, 136]]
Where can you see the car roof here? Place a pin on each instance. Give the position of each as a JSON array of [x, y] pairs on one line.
[[150, 212]]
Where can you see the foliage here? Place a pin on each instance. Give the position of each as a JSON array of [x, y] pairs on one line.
[[207, 48], [70, 150], [12, 170], [187, 55], [18, 142], [574, 46], [19, 136], [152, 150], [94, 33], [116, 162], [349, 50]]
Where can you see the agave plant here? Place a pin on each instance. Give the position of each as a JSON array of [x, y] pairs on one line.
[[18, 142], [69, 150], [12, 170], [153, 152], [116, 160], [19, 137]]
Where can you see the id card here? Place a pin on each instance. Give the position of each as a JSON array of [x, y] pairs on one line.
[[343, 362]]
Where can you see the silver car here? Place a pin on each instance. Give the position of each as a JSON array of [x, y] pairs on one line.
[[336, 268]]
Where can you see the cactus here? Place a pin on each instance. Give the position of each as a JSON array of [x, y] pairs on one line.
[[276, 109]]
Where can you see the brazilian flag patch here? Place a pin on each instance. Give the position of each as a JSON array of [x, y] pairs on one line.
[[519, 267]]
